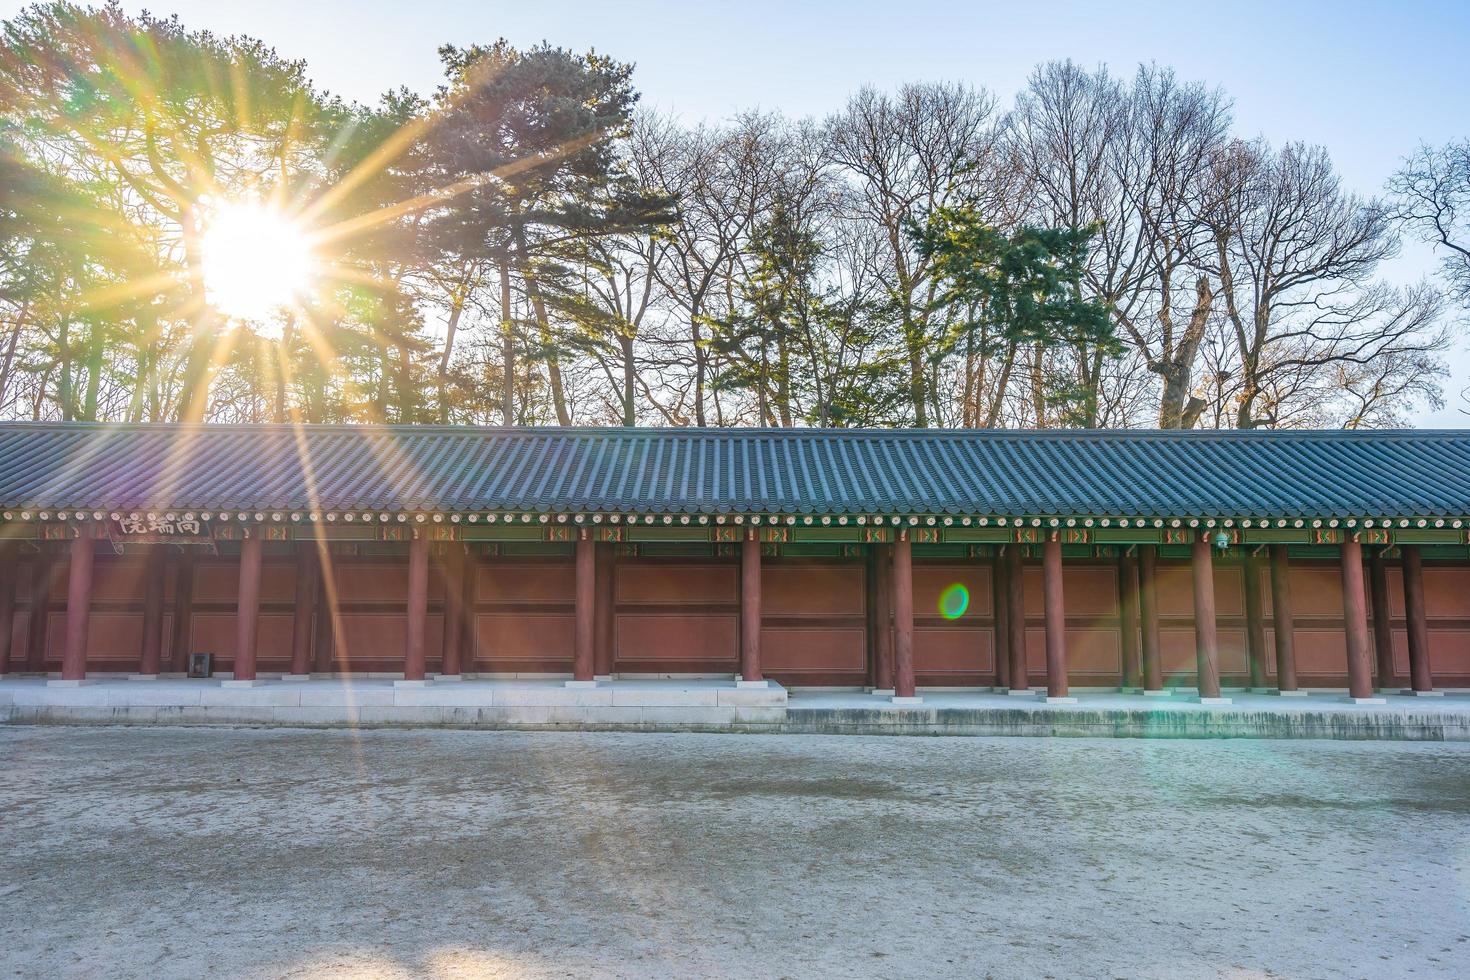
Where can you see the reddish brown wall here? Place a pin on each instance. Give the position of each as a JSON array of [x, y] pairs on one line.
[[676, 615], [523, 616], [681, 616], [960, 651], [813, 621]]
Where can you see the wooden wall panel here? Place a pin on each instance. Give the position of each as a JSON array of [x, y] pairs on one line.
[[802, 590], [1094, 656], [542, 638], [217, 580], [679, 584], [1321, 652], [954, 651], [1176, 590], [376, 640], [1095, 652], [364, 580], [118, 579], [1446, 592], [814, 650], [1177, 654], [677, 637], [114, 639], [526, 581], [930, 581], [1449, 653], [1270, 662], [18, 641], [214, 632], [1091, 591], [1316, 592]]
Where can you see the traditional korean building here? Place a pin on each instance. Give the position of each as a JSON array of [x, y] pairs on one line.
[[892, 560]]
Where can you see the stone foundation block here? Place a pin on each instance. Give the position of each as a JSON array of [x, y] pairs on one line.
[[273, 696], [346, 695], [478, 695], [605, 714], [689, 716], [766, 697], [155, 695], [759, 715], [674, 697], [335, 715], [553, 696], [519, 714]]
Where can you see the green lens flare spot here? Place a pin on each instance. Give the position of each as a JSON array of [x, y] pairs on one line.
[[953, 601]]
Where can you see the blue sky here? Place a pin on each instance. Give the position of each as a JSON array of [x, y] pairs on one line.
[[1367, 80]]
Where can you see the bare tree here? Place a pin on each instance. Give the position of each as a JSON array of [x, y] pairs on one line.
[[1432, 196], [1129, 160], [903, 156], [1294, 255]]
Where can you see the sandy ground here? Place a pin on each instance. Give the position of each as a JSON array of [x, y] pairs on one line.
[[185, 853]]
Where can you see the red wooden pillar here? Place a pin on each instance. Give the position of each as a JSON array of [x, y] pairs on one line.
[[1283, 620], [78, 607], [1355, 622], [1148, 613], [1421, 681], [1255, 623], [606, 624], [327, 645], [1206, 634], [1128, 618], [183, 625], [8, 562], [247, 610], [38, 619], [883, 617], [1001, 644], [415, 661], [750, 608], [903, 618], [870, 625], [468, 580], [1016, 618], [1382, 618], [453, 570], [304, 608], [1054, 607], [155, 568], [583, 652]]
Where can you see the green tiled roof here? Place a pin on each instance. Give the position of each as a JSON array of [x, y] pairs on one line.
[[713, 471]]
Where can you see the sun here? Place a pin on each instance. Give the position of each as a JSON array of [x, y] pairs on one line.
[[257, 262]]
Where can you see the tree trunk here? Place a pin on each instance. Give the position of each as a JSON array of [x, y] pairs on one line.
[[1177, 409], [282, 360], [204, 328], [700, 368], [456, 309], [1038, 387], [64, 396], [630, 379], [94, 375], [507, 349], [918, 390], [548, 343], [11, 342], [407, 395]]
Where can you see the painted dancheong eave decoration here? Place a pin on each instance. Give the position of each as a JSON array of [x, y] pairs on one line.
[[1107, 487]]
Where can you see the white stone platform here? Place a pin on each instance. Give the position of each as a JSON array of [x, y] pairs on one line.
[[347, 701], [706, 704]]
